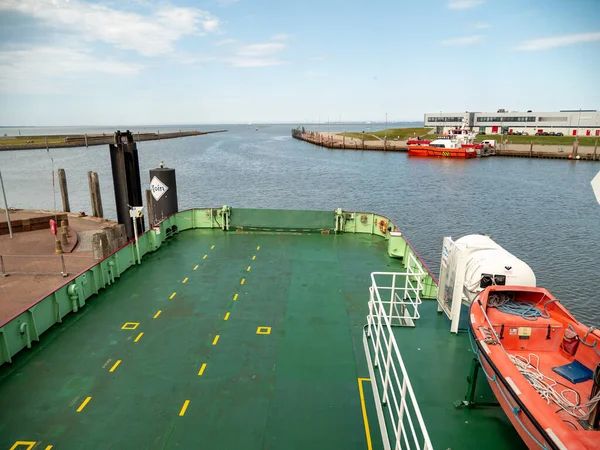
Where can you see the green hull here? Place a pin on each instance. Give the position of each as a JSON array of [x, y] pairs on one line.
[[260, 348]]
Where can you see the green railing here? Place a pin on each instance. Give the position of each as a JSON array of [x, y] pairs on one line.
[[22, 330]]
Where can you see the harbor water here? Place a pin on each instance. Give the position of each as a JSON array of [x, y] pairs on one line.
[[543, 211]]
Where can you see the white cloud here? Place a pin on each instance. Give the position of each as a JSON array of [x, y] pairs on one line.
[[465, 40], [481, 26], [48, 69], [317, 58], [558, 41], [149, 35], [464, 4], [263, 54]]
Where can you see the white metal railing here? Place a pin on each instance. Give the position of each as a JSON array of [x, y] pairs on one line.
[[385, 363], [399, 292]]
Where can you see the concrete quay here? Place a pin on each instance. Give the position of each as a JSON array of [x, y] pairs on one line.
[[30, 266], [336, 141]]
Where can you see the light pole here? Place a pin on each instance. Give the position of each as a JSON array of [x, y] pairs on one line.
[[386, 121], [6, 207]]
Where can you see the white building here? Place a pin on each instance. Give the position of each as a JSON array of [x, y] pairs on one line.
[[569, 122]]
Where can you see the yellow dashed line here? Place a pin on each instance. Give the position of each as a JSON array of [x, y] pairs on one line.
[[157, 314], [196, 266], [202, 370], [185, 280], [172, 295], [85, 402], [139, 336], [243, 281], [216, 340], [212, 247], [258, 248], [112, 369], [205, 256], [248, 269], [226, 316], [235, 297], [184, 408], [49, 447], [254, 257]]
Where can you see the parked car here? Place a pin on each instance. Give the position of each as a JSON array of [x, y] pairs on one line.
[[559, 134]]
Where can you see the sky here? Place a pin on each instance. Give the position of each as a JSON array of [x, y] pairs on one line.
[[136, 62]]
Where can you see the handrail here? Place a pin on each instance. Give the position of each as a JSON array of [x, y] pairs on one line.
[[388, 372]]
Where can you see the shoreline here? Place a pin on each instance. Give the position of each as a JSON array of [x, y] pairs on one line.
[[38, 142], [544, 151]]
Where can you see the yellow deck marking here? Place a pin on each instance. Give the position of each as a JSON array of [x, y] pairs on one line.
[[216, 340], [184, 408], [248, 269], [115, 365], [212, 247], [226, 316], [263, 330], [196, 266], [172, 295], [243, 281], [139, 336], [235, 297], [202, 369], [49, 447], [364, 411], [205, 256], [85, 402], [29, 444], [130, 325], [258, 248], [157, 314], [185, 280], [253, 257]]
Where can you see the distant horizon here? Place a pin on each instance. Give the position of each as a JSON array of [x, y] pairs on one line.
[[219, 123]]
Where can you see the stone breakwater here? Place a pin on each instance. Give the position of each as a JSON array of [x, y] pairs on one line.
[[83, 140], [336, 141]]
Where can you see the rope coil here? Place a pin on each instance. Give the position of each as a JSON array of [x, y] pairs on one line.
[[567, 399]]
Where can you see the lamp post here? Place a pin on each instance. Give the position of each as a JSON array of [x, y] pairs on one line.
[[6, 207]]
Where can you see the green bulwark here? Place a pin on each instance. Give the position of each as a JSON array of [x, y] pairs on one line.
[[229, 339]]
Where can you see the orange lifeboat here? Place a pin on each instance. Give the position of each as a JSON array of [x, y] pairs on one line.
[[542, 364]]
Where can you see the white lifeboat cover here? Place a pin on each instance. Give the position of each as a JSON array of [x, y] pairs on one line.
[[484, 256]]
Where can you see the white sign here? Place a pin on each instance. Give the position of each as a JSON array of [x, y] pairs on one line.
[[158, 188], [596, 186], [136, 211]]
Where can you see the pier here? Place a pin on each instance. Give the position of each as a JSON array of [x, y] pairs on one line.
[[339, 142], [86, 140]]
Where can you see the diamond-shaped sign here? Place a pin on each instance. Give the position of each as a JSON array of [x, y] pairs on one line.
[[596, 187], [158, 188]]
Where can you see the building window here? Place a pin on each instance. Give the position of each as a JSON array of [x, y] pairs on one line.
[[444, 119], [507, 119], [553, 119]]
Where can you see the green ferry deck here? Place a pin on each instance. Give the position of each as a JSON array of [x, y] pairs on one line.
[[250, 338]]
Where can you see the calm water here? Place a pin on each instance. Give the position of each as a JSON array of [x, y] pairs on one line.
[[543, 211]]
